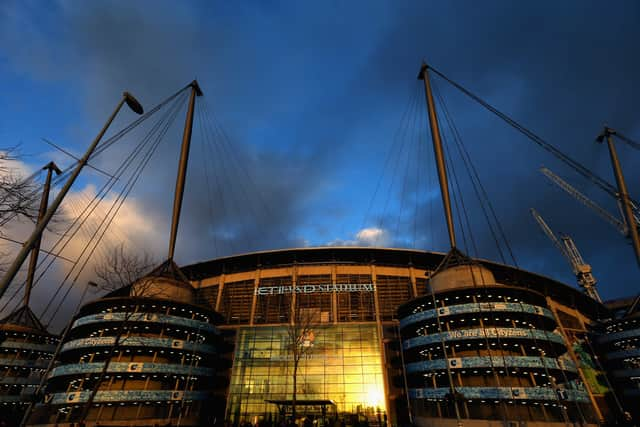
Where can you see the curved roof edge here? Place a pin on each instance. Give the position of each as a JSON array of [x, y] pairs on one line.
[[429, 260]]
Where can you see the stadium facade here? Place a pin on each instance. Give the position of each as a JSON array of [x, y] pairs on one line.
[[618, 344], [26, 349], [145, 355], [387, 337], [517, 344]]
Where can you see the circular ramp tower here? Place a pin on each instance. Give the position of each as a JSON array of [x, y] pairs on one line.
[[480, 351], [26, 348], [619, 345], [142, 356]]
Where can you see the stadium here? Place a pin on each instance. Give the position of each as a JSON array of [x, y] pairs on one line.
[[143, 355], [516, 343]]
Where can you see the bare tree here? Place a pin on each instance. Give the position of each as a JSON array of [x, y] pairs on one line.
[[18, 195], [122, 268], [301, 338], [19, 198], [119, 269]]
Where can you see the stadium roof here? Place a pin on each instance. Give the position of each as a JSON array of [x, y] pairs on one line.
[[428, 260]]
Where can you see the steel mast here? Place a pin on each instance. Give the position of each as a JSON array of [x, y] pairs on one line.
[[182, 168], [37, 233], [439, 153], [177, 205], [50, 168], [446, 201], [627, 209]]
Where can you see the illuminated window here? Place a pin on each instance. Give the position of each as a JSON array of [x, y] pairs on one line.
[[343, 365]]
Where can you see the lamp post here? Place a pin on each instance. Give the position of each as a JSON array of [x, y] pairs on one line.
[[134, 105]]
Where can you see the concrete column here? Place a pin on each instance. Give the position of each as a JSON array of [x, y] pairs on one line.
[[220, 289], [294, 281], [412, 277], [334, 295], [254, 300], [383, 361]]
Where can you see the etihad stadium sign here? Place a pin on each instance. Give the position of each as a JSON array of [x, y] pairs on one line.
[[312, 289]]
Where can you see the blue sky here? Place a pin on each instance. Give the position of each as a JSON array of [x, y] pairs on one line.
[[311, 95]]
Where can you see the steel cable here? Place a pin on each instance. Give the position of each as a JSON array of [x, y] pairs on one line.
[[116, 205], [409, 108], [478, 187], [79, 221], [414, 113], [104, 145], [582, 170]]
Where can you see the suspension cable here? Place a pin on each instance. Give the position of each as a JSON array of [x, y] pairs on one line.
[[79, 221], [211, 150], [102, 147], [478, 187], [461, 210], [223, 144], [419, 164], [403, 142], [412, 149], [203, 147], [578, 167], [115, 207], [215, 143], [408, 110], [251, 182], [628, 141]]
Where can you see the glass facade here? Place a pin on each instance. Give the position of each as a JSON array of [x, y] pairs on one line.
[[344, 364], [351, 296]]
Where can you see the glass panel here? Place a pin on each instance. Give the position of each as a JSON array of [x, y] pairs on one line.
[[273, 308], [343, 364], [392, 291], [235, 305]]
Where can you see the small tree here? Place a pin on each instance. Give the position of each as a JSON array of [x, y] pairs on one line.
[[121, 268], [300, 336], [18, 196]]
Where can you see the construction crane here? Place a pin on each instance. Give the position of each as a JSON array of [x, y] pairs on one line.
[[620, 225], [567, 247]]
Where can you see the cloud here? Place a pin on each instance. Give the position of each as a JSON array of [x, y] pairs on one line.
[[546, 70], [109, 47], [242, 193], [131, 229], [311, 95], [372, 236]]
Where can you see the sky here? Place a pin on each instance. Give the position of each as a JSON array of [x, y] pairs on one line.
[[327, 140]]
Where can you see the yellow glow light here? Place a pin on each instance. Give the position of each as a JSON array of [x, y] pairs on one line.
[[375, 397]]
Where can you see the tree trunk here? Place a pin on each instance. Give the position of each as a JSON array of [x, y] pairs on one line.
[[293, 397]]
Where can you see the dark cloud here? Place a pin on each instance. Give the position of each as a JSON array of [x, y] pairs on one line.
[[558, 69], [311, 96], [153, 51]]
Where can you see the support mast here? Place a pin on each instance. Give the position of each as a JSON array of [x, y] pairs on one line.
[[37, 233], [44, 202], [446, 201], [182, 168], [439, 154], [622, 190]]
